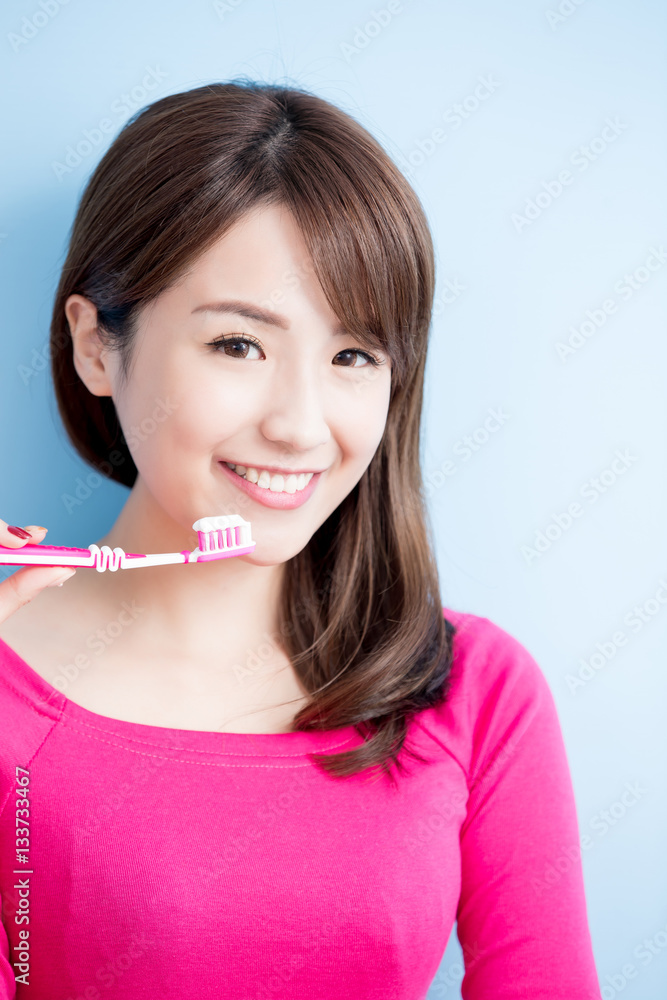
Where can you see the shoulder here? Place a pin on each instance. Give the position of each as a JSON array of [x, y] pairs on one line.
[[496, 690], [27, 715], [487, 658]]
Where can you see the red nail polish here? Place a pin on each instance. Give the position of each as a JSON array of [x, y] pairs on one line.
[[19, 532]]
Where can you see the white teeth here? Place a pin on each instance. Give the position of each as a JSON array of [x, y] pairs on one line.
[[275, 482]]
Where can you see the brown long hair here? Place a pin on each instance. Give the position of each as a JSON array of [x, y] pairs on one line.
[[363, 622]]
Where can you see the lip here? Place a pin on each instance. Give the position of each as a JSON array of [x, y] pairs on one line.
[[281, 501]]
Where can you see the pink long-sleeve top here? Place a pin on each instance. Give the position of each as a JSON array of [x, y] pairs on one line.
[[182, 865]]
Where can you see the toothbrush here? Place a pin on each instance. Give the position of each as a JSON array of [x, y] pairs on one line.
[[218, 537]]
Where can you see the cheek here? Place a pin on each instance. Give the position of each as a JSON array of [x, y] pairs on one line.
[[213, 410], [361, 423], [170, 409]]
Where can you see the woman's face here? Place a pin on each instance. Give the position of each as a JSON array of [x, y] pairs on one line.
[[283, 394]]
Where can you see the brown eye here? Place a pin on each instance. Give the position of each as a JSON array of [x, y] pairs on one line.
[[351, 355], [235, 347]]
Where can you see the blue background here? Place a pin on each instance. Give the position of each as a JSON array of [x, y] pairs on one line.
[[509, 292]]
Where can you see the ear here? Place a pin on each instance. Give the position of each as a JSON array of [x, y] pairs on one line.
[[91, 360]]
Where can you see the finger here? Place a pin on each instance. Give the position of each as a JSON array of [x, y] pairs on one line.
[[22, 586], [19, 536]]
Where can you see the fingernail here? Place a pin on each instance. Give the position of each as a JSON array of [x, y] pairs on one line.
[[59, 580], [19, 532]]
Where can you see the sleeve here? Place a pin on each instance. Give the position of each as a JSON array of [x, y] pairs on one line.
[[521, 919]]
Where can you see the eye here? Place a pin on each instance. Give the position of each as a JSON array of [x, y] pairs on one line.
[[237, 346], [375, 362]]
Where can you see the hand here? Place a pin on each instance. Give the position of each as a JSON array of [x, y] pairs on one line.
[[26, 583]]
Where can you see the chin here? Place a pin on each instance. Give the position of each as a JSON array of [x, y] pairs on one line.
[[270, 556], [281, 547]]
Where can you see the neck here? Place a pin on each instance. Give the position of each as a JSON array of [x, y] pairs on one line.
[[189, 608]]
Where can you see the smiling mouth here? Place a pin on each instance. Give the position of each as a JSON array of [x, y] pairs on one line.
[[273, 481]]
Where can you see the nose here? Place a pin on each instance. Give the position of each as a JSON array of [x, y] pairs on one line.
[[294, 414]]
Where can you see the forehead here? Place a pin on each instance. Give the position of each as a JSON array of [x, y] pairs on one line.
[[260, 246], [263, 261]]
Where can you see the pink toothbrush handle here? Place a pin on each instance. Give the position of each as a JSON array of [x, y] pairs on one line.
[[44, 555], [50, 555]]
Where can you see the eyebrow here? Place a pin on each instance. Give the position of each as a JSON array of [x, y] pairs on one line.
[[253, 312]]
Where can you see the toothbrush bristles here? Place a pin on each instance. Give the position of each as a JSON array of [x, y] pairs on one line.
[[219, 534]]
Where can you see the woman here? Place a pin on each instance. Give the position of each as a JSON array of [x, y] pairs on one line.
[[288, 773]]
